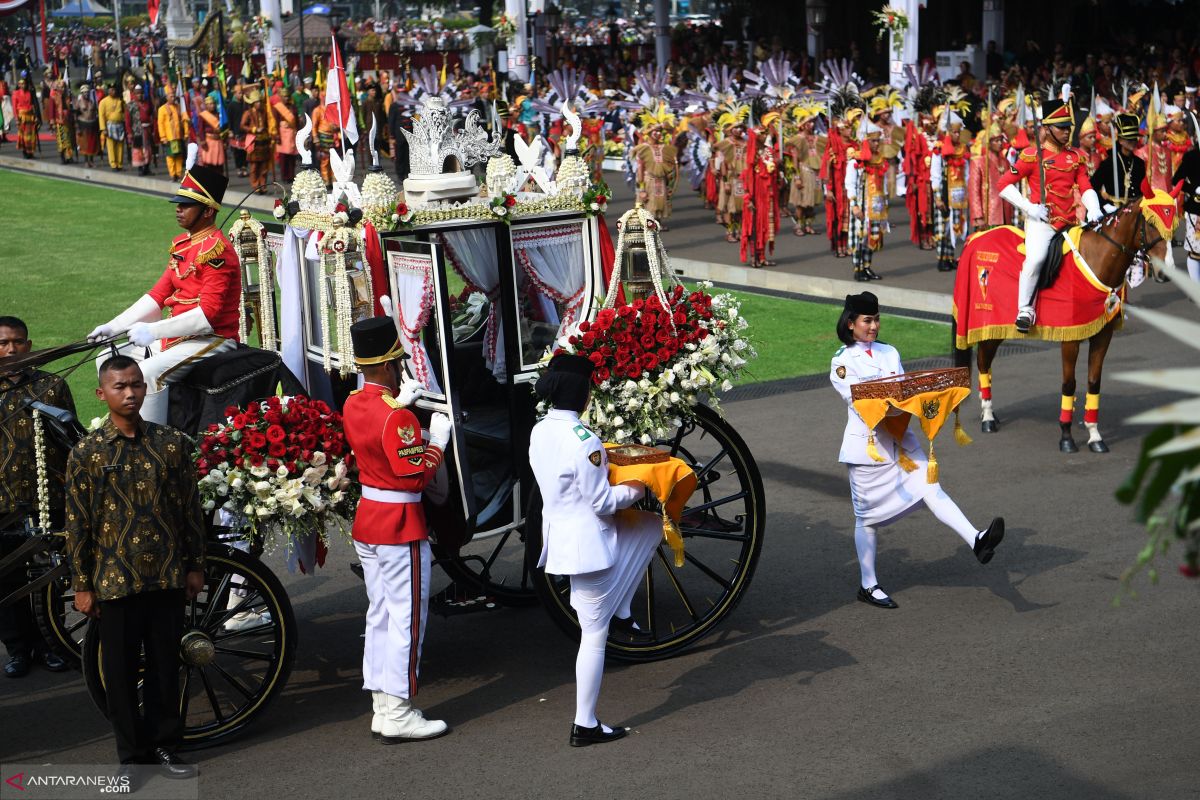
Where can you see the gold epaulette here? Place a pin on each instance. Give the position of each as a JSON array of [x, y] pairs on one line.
[[391, 401], [212, 250], [1028, 154], [178, 242]]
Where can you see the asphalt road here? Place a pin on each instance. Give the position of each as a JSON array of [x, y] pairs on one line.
[[1015, 680]]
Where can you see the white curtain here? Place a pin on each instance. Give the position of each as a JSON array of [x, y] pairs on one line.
[[471, 253], [291, 302], [414, 301], [552, 259]]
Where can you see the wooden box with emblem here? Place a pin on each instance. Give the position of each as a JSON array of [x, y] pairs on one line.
[[911, 384]]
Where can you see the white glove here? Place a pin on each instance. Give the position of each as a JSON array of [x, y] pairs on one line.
[[101, 332], [146, 309], [1091, 202], [439, 430], [141, 334], [1013, 196], [189, 323], [410, 390]]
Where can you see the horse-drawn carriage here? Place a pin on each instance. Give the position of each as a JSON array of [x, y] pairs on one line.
[[478, 299]]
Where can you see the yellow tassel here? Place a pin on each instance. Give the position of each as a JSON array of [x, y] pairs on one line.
[[873, 451], [674, 538], [931, 474], [960, 435], [906, 463]]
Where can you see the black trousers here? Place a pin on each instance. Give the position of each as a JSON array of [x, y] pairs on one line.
[[18, 629], [153, 622]]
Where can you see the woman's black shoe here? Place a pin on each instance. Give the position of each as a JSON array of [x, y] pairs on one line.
[[582, 737], [625, 627], [987, 542], [868, 597]]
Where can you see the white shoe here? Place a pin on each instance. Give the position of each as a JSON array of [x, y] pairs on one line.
[[247, 619], [378, 710], [404, 723]]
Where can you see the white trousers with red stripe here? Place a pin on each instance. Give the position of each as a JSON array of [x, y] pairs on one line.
[[397, 578]]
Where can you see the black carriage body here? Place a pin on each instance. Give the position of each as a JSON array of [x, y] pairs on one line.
[[488, 395]]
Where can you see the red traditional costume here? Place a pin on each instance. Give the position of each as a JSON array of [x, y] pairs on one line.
[[760, 212]]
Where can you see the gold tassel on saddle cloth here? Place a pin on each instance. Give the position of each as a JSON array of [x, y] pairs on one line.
[[672, 482]]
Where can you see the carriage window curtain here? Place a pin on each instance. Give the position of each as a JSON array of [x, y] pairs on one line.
[[552, 260], [471, 253], [414, 305]]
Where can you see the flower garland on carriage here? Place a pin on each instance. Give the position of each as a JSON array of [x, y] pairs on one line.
[[279, 467], [661, 356]]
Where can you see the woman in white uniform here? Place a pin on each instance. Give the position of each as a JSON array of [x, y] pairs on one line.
[[883, 492], [606, 559]]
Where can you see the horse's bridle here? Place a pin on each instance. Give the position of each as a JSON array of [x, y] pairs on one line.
[[1145, 245]]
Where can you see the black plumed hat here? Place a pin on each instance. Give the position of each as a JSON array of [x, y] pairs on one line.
[[376, 341]]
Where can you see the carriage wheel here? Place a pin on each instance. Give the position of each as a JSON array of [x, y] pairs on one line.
[[62, 627], [496, 566], [234, 659], [722, 528]]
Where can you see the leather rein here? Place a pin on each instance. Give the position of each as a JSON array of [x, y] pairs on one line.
[[1145, 243]]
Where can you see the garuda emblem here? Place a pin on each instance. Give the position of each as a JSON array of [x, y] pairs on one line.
[[407, 434], [930, 408]]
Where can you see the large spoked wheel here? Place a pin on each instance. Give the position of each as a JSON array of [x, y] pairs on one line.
[[722, 527], [495, 565], [62, 627], [237, 650]]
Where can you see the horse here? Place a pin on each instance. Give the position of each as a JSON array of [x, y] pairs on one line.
[[1106, 248]]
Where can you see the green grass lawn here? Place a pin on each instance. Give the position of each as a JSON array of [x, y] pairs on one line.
[[77, 255]]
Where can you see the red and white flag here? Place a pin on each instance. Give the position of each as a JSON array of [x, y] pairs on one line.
[[338, 101], [152, 9]]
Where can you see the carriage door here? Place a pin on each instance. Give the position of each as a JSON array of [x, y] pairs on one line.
[[417, 284]]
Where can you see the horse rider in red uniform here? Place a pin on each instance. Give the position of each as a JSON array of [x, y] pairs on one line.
[[199, 289], [395, 464], [1065, 169]]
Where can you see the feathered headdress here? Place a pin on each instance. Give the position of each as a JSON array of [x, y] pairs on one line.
[[429, 81], [924, 89], [660, 115], [775, 80], [732, 114], [567, 86]]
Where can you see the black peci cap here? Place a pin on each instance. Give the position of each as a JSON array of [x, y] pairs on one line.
[[864, 303]]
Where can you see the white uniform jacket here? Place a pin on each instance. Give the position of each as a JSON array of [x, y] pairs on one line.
[[571, 468], [851, 365]]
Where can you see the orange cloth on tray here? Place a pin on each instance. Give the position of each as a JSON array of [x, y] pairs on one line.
[[672, 482]]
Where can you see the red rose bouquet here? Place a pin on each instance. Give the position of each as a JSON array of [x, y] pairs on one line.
[[283, 464], [655, 362]]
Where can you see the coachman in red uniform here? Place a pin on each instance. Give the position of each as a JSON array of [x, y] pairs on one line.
[[395, 464], [200, 290], [1065, 170]]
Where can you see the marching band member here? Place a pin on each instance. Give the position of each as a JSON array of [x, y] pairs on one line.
[[884, 492], [199, 288], [606, 558], [1064, 171], [390, 534]]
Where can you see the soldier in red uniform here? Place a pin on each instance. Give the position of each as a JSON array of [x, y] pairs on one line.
[[390, 536], [1065, 171], [199, 290]]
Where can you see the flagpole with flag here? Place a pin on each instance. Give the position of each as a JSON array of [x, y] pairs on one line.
[[337, 97]]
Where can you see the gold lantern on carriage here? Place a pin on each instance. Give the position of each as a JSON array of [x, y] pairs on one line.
[[346, 294], [257, 279]]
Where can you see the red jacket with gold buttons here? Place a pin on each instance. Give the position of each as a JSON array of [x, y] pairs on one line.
[[391, 455], [202, 273], [1065, 170]]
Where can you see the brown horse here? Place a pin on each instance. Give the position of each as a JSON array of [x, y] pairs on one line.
[[1141, 227]]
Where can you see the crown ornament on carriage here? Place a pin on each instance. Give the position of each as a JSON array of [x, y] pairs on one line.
[[433, 140]]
